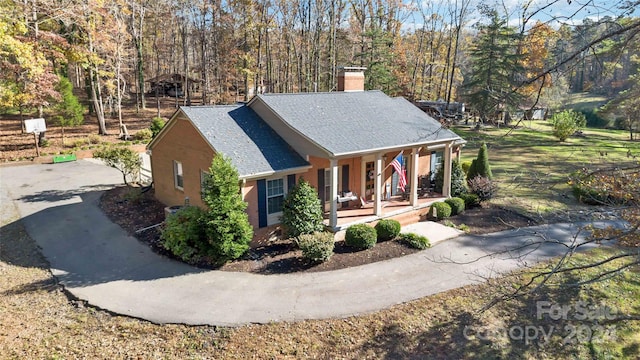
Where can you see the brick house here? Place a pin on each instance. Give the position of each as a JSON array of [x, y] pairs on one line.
[[341, 142]]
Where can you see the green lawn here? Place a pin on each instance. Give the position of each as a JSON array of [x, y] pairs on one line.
[[532, 166], [585, 102]]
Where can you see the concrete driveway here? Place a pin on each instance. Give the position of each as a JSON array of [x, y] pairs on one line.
[[96, 261]]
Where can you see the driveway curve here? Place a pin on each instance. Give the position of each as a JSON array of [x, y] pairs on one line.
[[97, 261]]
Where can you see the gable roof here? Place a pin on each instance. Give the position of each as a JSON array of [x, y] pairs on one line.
[[344, 123], [238, 132]]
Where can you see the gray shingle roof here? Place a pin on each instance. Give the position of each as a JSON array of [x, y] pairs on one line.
[[351, 122], [238, 132]]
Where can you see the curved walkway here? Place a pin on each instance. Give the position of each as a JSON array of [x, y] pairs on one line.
[[98, 262]]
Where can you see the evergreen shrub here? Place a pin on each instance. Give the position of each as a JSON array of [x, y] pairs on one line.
[[183, 233], [415, 240], [301, 210], [361, 236], [317, 247], [470, 200], [443, 210], [387, 229], [456, 204]]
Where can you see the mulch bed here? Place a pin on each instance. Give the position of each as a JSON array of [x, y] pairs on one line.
[[282, 256]]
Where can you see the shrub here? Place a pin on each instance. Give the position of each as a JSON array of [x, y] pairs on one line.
[[480, 165], [361, 236], [566, 123], [470, 200], [387, 229], [415, 240], [94, 139], [143, 134], [458, 185], [484, 187], [301, 210], [134, 195], [183, 234], [463, 227], [443, 210], [465, 165], [594, 119], [316, 247], [456, 204], [624, 123], [124, 159], [227, 228], [80, 143], [157, 123]]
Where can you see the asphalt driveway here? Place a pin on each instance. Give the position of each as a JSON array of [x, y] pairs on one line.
[[96, 261]]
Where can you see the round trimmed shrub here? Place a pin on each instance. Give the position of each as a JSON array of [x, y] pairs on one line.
[[361, 236], [457, 205], [443, 210], [470, 200], [387, 229], [317, 247], [415, 240]]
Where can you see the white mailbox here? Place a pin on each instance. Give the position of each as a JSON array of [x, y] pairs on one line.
[[35, 126]]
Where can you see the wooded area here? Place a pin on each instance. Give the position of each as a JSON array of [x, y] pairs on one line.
[[491, 57]]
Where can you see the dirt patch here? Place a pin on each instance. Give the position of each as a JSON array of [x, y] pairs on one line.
[[16, 145], [490, 218], [280, 256]]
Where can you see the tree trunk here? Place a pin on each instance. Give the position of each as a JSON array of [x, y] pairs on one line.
[[140, 68], [96, 95], [96, 100]]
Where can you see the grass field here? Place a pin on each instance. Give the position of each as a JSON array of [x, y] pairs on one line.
[[533, 167]]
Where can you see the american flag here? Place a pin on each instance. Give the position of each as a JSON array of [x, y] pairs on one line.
[[402, 178]]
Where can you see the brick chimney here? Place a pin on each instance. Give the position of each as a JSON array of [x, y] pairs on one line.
[[351, 78]]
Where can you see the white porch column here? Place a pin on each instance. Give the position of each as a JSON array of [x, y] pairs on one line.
[[446, 186], [333, 208], [413, 197], [378, 185]]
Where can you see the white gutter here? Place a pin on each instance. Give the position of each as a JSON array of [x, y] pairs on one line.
[[265, 174], [397, 148]]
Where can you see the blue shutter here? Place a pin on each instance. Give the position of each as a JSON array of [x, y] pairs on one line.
[[345, 183], [321, 186], [345, 178], [291, 182], [262, 203]]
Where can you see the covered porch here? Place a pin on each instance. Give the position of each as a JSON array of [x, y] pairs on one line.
[[376, 184], [396, 207]]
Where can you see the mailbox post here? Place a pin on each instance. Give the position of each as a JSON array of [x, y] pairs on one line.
[[35, 126]]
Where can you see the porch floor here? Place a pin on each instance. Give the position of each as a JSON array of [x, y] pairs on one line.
[[356, 214]]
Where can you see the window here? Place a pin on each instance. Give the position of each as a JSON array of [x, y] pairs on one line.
[[275, 195], [178, 175]]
